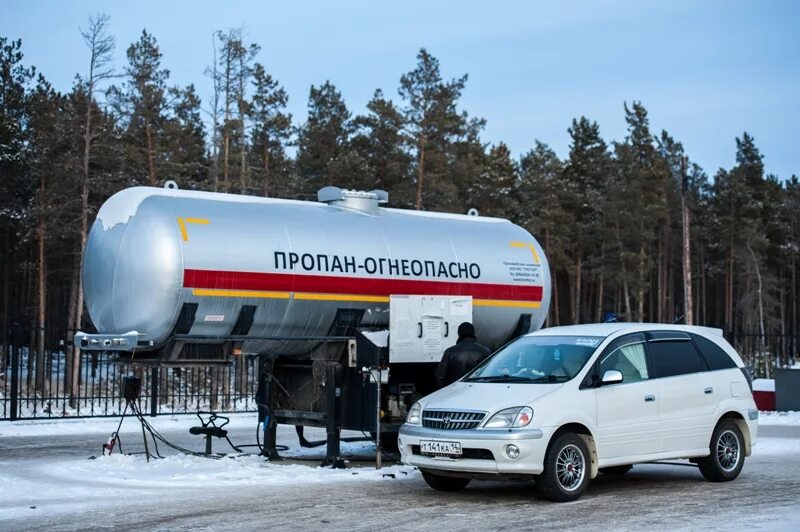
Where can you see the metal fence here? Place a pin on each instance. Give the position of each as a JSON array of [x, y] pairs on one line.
[[224, 389], [229, 388], [762, 354]]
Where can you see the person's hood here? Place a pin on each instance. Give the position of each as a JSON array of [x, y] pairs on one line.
[[486, 396]]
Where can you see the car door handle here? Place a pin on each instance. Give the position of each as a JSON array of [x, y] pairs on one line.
[[649, 398], [708, 390]]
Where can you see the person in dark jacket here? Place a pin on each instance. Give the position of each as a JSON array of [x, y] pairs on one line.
[[458, 360]]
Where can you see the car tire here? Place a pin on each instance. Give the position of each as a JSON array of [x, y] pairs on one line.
[[616, 471], [727, 453], [567, 469], [442, 483]]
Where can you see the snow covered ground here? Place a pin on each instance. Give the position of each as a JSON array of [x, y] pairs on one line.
[[106, 425], [48, 481], [779, 418]]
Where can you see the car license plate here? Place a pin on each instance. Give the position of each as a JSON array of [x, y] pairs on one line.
[[440, 448]]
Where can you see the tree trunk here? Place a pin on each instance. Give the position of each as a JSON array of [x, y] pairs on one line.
[[27, 291], [554, 279], [73, 299], [5, 353], [214, 391], [215, 122], [241, 376], [42, 298], [226, 149], [151, 165], [687, 250], [420, 171], [625, 291], [762, 330], [660, 295], [793, 298], [729, 292], [587, 306], [600, 296], [703, 294], [75, 313], [576, 308], [266, 166], [640, 302], [553, 294], [76, 351], [243, 141]]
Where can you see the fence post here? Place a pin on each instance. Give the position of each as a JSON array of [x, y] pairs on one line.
[[14, 375], [154, 391]]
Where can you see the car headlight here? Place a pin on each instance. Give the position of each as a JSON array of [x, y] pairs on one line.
[[414, 416], [511, 418]]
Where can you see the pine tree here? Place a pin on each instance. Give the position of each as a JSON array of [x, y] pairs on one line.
[[141, 103], [541, 211], [379, 141], [584, 183], [738, 204], [492, 190], [323, 154], [641, 234], [234, 74], [185, 151], [271, 130], [16, 190], [14, 79], [431, 117]]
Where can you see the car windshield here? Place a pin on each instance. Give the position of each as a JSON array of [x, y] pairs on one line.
[[537, 359]]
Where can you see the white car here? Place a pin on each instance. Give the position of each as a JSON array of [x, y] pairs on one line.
[[564, 403]]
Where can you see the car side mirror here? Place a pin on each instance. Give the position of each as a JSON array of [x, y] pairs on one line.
[[611, 376]]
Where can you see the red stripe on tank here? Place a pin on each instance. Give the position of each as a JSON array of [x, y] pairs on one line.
[[331, 284]]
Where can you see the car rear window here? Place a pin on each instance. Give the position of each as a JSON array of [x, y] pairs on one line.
[[715, 356], [675, 357]]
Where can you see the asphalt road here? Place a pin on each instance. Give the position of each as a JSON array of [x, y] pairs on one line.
[[766, 496]]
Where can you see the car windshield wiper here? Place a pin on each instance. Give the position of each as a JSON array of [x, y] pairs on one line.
[[500, 378], [551, 378]]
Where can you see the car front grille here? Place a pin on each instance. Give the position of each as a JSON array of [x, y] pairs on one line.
[[448, 420]]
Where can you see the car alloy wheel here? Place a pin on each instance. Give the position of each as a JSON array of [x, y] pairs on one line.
[[728, 450], [570, 467]]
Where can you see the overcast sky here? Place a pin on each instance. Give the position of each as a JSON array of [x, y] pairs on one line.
[[706, 71]]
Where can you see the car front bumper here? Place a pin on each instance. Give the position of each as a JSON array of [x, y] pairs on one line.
[[532, 444]]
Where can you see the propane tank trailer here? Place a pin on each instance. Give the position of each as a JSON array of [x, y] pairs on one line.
[[348, 305]]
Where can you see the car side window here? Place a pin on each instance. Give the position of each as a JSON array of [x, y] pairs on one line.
[[675, 355], [627, 355], [715, 356]]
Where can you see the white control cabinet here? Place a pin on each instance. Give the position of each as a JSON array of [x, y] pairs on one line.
[[422, 327]]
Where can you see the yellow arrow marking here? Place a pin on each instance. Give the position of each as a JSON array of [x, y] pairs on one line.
[[182, 225], [530, 247]]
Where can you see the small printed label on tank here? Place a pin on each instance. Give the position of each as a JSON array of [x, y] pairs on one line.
[[214, 317], [524, 272]]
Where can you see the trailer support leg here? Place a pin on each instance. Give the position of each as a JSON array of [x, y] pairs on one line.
[[333, 428], [270, 437], [265, 404]]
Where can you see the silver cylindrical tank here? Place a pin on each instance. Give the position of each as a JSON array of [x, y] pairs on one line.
[[151, 251]]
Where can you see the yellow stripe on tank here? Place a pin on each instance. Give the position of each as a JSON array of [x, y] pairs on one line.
[[214, 292], [505, 303], [342, 297], [261, 294]]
